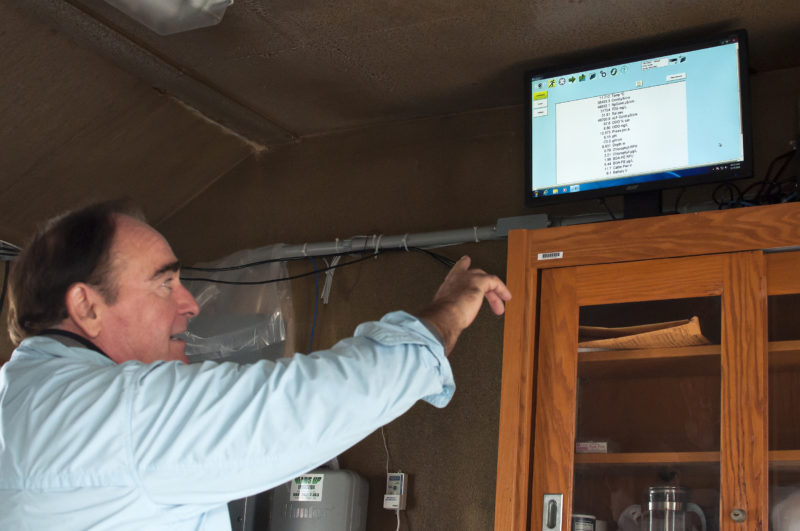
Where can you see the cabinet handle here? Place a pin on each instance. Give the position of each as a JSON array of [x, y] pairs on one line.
[[738, 515], [551, 512]]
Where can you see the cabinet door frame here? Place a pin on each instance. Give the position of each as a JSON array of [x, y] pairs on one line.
[[744, 457], [739, 280], [531, 252]]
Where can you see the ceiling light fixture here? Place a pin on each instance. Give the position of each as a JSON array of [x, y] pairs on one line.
[[166, 17]]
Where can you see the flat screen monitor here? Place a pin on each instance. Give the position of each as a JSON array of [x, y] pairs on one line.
[[638, 123]]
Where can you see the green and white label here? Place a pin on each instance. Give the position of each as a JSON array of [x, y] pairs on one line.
[[307, 488]]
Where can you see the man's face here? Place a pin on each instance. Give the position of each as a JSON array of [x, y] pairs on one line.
[[152, 305]]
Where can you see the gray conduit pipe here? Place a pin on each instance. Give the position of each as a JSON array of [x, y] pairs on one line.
[[424, 240]]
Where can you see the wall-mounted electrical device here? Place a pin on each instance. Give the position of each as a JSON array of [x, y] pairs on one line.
[[396, 491]]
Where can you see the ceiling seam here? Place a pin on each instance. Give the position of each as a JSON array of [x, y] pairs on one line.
[[151, 67], [203, 189]]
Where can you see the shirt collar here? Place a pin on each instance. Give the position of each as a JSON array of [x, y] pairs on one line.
[[64, 334]]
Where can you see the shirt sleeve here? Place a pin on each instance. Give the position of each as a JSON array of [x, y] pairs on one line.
[[219, 431]]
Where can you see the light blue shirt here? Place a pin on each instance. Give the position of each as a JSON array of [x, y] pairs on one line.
[[89, 444]]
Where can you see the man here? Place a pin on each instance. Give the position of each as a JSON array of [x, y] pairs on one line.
[[103, 425]]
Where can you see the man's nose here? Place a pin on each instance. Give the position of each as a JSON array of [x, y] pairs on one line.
[[186, 304]]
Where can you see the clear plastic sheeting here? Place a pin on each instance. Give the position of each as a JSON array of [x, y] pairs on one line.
[[241, 323], [166, 17]]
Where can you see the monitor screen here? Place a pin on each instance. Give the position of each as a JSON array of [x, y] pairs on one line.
[[673, 116]]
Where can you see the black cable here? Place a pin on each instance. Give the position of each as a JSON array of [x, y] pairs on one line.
[[735, 195], [678, 198], [12, 251], [770, 188], [757, 198], [789, 155], [271, 281], [786, 163], [438, 257], [766, 191], [250, 264], [9, 252], [5, 285], [275, 260], [316, 306], [8, 249], [610, 213]]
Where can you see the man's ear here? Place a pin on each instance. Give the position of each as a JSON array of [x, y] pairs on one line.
[[85, 307]]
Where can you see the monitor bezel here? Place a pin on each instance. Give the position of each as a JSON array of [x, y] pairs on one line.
[[668, 47]]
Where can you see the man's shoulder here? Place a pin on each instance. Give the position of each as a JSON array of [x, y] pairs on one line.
[[37, 348], [42, 365]]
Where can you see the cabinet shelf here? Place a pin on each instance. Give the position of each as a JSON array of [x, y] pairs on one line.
[[648, 458], [778, 459], [702, 359], [598, 356], [784, 354], [784, 459]]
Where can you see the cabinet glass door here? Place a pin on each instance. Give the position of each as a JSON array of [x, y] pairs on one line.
[[784, 390], [645, 385], [648, 409]]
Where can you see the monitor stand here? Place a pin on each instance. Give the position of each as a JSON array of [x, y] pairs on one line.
[[641, 204]]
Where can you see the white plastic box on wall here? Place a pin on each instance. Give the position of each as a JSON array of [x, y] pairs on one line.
[[322, 500]]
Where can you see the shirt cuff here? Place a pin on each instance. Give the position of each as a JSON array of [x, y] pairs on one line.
[[433, 330], [401, 327]]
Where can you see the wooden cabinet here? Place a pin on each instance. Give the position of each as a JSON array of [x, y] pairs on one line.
[[722, 419]]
